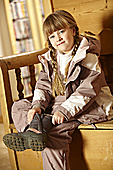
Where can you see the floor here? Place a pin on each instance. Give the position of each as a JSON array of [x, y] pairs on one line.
[[4, 157]]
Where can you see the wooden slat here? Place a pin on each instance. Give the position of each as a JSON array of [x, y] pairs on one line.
[[33, 24], [79, 6], [30, 160], [12, 126], [10, 26], [20, 60], [5, 93], [104, 125], [32, 77], [39, 21], [48, 7], [20, 86]]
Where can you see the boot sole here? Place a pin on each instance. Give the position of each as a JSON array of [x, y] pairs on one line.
[[15, 143], [36, 145], [20, 144]]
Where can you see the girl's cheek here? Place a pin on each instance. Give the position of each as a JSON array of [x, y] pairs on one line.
[[52, 42]]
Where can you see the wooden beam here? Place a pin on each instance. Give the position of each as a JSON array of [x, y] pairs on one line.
[[48, 8], [10, 26], [19, 60]]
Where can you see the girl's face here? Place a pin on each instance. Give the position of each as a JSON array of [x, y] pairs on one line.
[[63, 40]]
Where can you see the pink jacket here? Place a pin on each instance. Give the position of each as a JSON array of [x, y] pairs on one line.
[[87, 97]]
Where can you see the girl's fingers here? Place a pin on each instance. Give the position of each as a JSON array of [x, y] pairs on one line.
[[53, 120], [32, 112], [58, 120], [62, 120]]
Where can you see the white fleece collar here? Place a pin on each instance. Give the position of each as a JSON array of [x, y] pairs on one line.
[[81, 52]]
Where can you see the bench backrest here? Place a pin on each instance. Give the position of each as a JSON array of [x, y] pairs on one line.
[[15, 62]]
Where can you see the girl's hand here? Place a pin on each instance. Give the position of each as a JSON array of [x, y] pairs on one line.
[[32, 112], [58, 118]]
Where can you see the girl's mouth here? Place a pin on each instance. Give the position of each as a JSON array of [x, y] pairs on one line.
[[61, 43]]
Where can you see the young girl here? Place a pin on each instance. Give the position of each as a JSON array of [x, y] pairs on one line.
[[71, 89]]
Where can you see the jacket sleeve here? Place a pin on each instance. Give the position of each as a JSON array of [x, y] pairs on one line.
[[42, 92], [88, 89]]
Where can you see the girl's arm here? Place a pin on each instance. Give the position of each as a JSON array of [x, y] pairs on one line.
[[42, 96], [42, 92]]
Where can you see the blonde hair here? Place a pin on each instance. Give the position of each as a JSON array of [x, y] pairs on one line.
[[56, 21]]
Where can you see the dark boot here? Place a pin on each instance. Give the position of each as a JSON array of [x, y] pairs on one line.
[[30, 140], [25, 140], [36, 123]]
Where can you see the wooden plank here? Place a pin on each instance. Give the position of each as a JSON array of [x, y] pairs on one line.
[[1, 119], [104, 125], [79, 6], [92, 149], [12, 157], [39, 22], [19, 60], [98, 149], [110, 4], [6, 101], [33, 24], [90, 22], [5, 96], [89, 14], [29, 159], [10, 26], [48, 8]]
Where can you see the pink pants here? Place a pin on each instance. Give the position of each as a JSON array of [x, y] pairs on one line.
[[56, 154]]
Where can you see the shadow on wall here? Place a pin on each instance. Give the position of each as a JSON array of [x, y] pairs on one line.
[[106, 39], [76, 158], [106, 35], [108, 20]]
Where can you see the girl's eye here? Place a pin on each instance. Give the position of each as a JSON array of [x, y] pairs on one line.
[[51, 36], [62, 31]]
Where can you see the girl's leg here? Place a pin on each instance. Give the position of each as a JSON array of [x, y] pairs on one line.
[[47, 123], [55, 155], [55, 159], [41, 123], [19, 114], [31, 139]]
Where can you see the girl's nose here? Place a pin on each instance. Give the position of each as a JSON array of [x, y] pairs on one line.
[[58, 37]]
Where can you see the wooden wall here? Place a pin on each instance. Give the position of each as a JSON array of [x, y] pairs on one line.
[[93, 15]]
